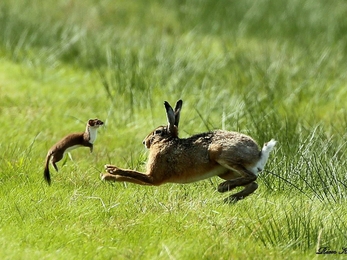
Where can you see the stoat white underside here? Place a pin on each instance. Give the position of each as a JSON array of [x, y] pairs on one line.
[[72, 148], [92, 134]]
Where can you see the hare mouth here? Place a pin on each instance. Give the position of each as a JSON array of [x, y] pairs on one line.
[[147, 144]]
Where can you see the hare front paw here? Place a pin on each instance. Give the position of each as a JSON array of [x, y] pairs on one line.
[[107, 177], [111, 169]]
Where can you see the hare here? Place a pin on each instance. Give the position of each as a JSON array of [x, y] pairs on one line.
[[232, 156]]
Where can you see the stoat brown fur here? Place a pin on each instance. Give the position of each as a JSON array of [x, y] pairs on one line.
[[70, 142]]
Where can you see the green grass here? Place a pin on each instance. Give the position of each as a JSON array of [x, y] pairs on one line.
[[270, 69]]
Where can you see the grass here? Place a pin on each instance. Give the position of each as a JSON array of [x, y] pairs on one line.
[[270, 69]]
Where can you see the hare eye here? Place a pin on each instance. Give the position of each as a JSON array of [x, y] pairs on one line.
[[158, 131]]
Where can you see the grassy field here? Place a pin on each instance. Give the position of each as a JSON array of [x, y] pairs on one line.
[[270, 69]]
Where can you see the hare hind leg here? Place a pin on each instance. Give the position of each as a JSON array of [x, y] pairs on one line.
[[238, 176], [246, 177], [249, 189]]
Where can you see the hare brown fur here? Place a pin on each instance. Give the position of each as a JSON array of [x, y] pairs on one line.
[[232, 156]]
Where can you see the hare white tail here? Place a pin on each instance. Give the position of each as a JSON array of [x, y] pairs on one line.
[[265, 152]]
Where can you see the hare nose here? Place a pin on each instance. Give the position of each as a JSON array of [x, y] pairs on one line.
[[143, 142]]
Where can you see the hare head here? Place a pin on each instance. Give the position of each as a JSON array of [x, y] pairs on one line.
[[169, 131], [232, 156]]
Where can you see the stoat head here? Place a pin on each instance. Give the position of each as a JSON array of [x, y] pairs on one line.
[[92, 127], [95, 123]]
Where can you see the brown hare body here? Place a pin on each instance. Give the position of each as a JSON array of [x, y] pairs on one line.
[[232, 156]]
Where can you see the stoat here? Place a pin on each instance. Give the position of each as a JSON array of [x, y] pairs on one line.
[[70, 142]]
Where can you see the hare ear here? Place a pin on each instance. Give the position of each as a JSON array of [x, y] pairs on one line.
[[170, 115], [178, 108]]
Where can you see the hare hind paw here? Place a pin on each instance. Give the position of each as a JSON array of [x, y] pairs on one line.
[[226, 186]]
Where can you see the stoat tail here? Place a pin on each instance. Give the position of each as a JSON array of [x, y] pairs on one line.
[[46, 173], [265, 152]]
